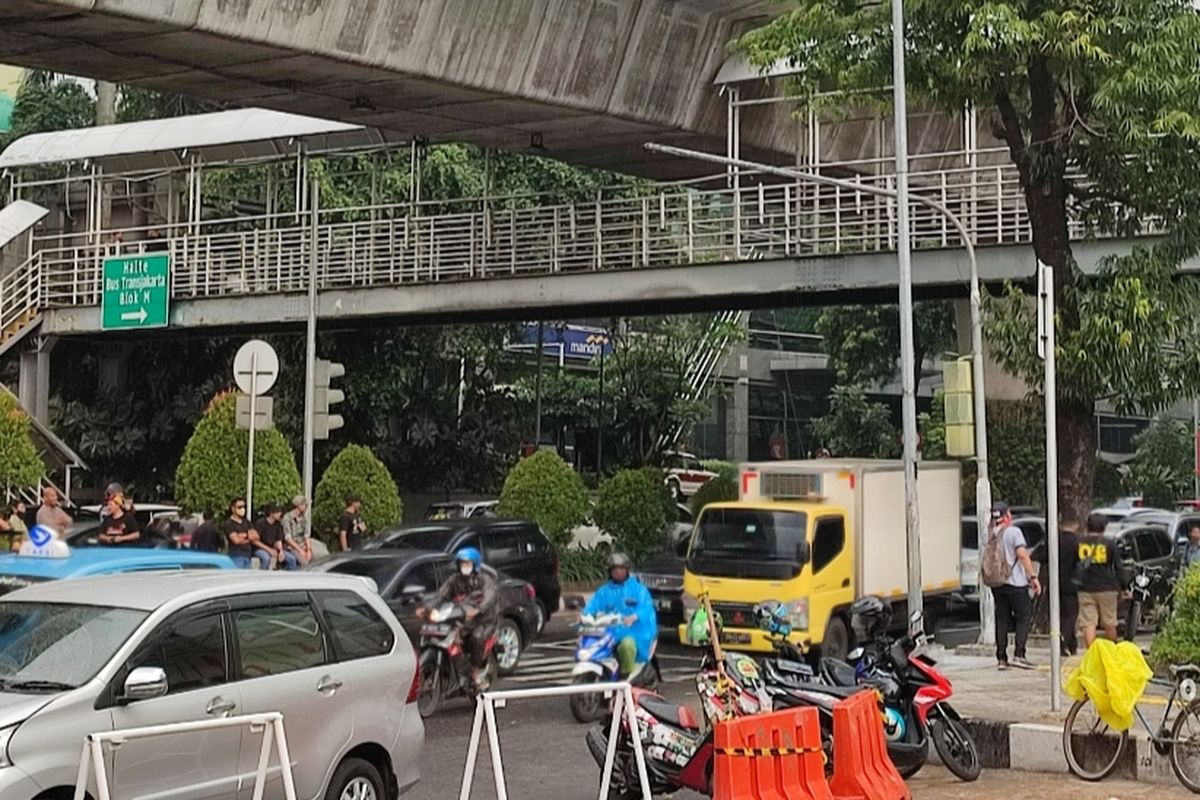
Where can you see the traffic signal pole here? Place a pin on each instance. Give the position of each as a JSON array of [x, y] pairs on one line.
[[310, 353]]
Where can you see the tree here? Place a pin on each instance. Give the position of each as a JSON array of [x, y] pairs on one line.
[[545, 489], [1100, 89], [856, 427], [1162, 465], [212, 471], [863, 342], [629, 508], [356, 471], [20, 465]]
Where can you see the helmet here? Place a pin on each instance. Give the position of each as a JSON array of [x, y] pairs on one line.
[[469, 554], [619, 560], [870, 617], [772, 617]]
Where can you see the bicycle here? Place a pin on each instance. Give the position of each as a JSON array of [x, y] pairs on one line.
[[1093, 750]]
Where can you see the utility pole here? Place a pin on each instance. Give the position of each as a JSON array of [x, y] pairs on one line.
[[537, 388], [908, 402], [310, 352]]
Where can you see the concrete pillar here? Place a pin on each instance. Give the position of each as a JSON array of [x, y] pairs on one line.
[[27, 378], [114, 368], [737, 408], [33, 378]]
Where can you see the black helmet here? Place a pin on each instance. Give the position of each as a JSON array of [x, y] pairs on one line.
[[870, 617], [619, 560]]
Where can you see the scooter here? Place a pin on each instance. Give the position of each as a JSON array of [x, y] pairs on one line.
[[596, 662], [444, 665]]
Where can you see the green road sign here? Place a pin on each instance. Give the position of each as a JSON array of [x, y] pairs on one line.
[[137, 292]]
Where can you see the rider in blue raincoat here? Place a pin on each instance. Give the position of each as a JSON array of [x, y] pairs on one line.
[[626, 596]]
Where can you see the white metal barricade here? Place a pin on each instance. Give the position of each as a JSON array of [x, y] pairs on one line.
[[485, 713], [272, 733]]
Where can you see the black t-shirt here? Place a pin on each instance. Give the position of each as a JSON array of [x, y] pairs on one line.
[[237, 526], [206, 538], [352, 524], [269, 533], [1100, 568], [121, 526]]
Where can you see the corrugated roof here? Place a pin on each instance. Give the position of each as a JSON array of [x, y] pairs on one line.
[[218, 137]]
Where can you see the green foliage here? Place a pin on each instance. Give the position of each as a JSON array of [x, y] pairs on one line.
[[356, 470], [1108, 484], [856, 427], [1016, 451], [863, 342], [544, 488], [49, 102], [584, 565], [931, 426], [1162, 465], [20, 465], [723, 469], [720, 489], [659, 478], [212, 471], [1178, 642], [629, 509]]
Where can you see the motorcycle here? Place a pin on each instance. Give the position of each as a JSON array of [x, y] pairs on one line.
[[596, 662], [1150, 598], [444, 664]]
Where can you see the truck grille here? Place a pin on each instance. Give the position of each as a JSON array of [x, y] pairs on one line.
[[735, 615]]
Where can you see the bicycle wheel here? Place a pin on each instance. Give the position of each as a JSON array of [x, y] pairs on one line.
[[1185, 747], [1092, 748]]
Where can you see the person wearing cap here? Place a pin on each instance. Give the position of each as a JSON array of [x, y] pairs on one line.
[[1014, 604], [112, 490], [625, 596], [1102, 579], [350, 525]]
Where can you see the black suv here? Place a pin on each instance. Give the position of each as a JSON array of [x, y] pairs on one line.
[[516, 547]]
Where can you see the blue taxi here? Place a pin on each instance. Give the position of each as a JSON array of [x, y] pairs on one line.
[[20, 570]]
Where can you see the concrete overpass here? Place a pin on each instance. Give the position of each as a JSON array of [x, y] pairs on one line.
[[587, 81]]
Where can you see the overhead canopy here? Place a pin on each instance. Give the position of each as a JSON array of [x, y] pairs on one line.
[[737, 69], [18, 217], [219, 137]]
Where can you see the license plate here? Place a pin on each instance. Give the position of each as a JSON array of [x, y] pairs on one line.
[[435, 630], [728, 637], [662, 604]]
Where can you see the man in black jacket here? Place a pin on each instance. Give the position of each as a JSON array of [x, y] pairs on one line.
[[475, 590], [1102, 580]]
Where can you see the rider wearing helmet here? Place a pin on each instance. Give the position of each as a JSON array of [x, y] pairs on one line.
[[625, 596], [475, 590]]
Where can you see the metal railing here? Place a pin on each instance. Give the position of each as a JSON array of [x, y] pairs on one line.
[[486, 238]]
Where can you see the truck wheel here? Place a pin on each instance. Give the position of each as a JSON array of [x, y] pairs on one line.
[[836, 643]]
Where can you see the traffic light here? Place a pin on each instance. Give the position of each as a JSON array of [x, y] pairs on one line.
[[324, 397]]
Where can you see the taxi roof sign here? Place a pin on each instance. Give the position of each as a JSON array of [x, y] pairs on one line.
[[43, 542]]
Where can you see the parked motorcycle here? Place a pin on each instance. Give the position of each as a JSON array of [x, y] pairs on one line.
[[444, 664], [596, 662], [1150, 598]]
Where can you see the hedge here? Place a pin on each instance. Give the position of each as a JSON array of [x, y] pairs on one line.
[[1178, 642], [720, 489], [545, 489], [629, 509], [356, 470]]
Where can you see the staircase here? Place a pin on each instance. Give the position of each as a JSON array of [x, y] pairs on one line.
[[704, 363], [19, 301]]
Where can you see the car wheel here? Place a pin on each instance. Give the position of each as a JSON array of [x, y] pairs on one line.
[[676, 491], [356, 779], [540, 623], [508, 646]]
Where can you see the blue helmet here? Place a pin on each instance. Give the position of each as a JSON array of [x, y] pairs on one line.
[[469, 554]]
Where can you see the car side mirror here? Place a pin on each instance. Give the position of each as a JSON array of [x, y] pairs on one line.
[[144, 683]]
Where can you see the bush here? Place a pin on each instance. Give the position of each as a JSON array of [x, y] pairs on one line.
[[659, 478], [725, 469], [356, 470], [1178, 642], [584, 564], [629, 508], [545, 489], [212, 471], [720, 489], [1161, 468], [20, 465]]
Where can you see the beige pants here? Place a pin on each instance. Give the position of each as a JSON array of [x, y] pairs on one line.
[[1098, 609]]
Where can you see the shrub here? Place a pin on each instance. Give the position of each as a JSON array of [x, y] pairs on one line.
[[20, 465], [356, 470], [659, 478], [545, 489], [1178, 642], [725, 469], [212, 471], [584, 564], [629, 508], [718, 490]]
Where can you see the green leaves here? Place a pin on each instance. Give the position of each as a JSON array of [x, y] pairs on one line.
[[856, 427], [1161, 468], [629, 508], [20, 465], [545, 489], [356, 470]]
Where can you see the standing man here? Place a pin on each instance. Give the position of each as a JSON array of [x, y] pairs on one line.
[[295, 537], [1068, 591], [1191, 551], [1014, 605], [206, 538], [51, 515], [1101, 581], [119, 527], [239, 534], [350, 525]]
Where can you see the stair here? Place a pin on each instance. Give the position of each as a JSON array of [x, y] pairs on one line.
[[704, 363], [17, 326]]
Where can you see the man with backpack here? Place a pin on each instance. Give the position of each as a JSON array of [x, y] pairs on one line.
[[1007, 569], [1101, 580]]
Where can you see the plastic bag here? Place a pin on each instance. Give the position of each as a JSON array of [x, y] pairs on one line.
[[1114, 676]]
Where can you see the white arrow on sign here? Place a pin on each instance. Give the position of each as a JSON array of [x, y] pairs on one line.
[[139, 315]]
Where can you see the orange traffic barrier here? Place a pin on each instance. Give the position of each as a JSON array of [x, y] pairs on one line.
[[775, 756], [861, 767]]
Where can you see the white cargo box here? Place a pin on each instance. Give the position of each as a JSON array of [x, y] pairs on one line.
[[872, 492]]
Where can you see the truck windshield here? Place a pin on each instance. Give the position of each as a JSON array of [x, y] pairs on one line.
[[748, 543]]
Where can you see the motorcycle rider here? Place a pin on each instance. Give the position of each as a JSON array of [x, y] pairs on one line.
[[625, 596], [475, 591]]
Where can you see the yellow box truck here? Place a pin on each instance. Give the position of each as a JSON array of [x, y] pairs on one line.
[[817, 535]]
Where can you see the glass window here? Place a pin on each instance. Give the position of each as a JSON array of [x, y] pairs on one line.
[[423, 539], [504, 546], [750, 533], [358, 632], [828, 542], [380, 570], [60, 643], [1149, 546], [276, 639], [423, 574], [970, 534], [190, 651]]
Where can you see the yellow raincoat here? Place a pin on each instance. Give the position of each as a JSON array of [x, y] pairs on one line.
[[1114, 676]]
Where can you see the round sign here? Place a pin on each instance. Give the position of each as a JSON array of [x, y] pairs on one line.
[[258, 358]]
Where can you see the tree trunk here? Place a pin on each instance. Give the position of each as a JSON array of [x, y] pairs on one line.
[[1076, 459]]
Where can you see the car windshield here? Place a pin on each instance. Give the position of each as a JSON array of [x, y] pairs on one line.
[[380, 570], [56, 646], [692, 464], [446, 511], [747, 542], [421, 539]]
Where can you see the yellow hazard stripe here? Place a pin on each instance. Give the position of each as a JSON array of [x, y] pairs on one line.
[[760, 752]]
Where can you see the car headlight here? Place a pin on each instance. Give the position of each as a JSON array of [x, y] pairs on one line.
[[5, 736], [798, 614]]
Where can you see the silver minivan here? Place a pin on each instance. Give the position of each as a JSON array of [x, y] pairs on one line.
[[111, 653]]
